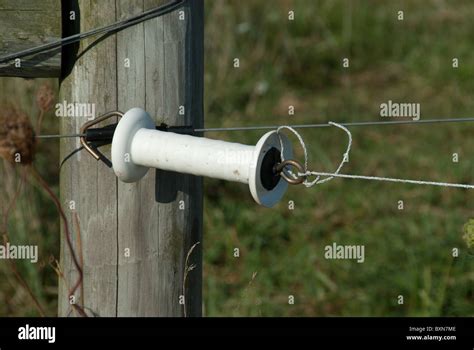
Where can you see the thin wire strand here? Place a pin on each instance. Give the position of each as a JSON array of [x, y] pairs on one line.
[[115, 27], [389, 179], [347, 124], [302, 126], [58, 136]]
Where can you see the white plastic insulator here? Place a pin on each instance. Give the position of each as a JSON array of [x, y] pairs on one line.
[[138, 146], [192, 155]]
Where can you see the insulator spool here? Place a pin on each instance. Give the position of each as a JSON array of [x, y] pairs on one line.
[[138, 146]]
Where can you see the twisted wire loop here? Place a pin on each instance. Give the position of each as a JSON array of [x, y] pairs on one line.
[[321, 177], [303, 174]]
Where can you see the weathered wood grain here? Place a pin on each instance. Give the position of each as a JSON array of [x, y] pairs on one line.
[[26, 24], [91, 184], [151, 224], [166, 71]]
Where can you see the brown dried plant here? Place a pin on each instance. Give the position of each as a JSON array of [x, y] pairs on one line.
[[17, 137], [45, 98], [187, 269], [18, 147]]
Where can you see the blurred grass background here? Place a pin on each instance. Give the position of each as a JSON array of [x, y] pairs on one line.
[[408, 252]]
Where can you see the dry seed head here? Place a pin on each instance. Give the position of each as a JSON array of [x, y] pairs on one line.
[[45, 97], [17, 137]]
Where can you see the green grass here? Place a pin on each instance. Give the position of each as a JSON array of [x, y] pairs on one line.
[[282, 251], [407, 252]]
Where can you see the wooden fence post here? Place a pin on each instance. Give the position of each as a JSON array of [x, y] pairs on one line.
[[135, 238]]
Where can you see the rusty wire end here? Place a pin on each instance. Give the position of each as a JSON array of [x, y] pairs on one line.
[[91, 123]]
